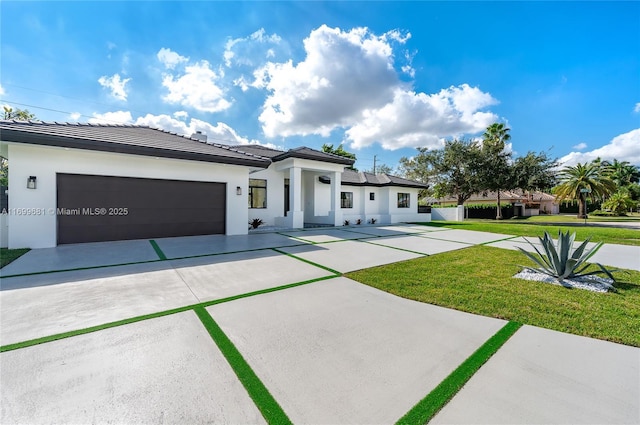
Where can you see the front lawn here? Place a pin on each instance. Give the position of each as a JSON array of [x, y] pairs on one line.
[[479, 280], [9, 255], [533, 229]]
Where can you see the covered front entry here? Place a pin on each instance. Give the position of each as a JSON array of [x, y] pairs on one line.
[[104, 208]]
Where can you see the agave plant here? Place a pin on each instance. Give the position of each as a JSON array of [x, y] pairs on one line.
[[561, 262]]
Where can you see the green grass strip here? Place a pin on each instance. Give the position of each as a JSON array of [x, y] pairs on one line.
[[50, 338], [335, 272], [260, 395], [396, 248], [499, 240], [157, 249], [427, 408]]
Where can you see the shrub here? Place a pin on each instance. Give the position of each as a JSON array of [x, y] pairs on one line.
[[561, 262], [346, 222], [255, 223]]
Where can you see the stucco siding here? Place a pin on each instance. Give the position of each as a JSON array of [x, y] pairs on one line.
[[39, 230]]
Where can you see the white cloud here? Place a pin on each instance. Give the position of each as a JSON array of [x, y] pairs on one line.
[[170, 59], [580, 146], [75, 116], [625, 147], [116, 117], [348, 81], [342, 74], [197, 88], [116, 84], [417, 119], [219, 133], [2, 92], [637, 107], [248, 50]]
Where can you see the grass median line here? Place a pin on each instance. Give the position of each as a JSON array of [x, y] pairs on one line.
[[427, 408], [157, 249], [260, 395]]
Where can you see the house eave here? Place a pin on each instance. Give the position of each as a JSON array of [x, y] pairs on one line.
[[10, 135]]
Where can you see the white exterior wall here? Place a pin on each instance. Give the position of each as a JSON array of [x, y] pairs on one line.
[[39, 231], [4, 231], [275, 196]]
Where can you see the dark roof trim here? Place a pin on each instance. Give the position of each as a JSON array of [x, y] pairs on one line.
[[314, 155], [415, 185], [11, 135]]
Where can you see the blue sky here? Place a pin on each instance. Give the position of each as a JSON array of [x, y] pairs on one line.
[[380, 77]]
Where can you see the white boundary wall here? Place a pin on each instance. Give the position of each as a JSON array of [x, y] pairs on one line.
[[448, 214]]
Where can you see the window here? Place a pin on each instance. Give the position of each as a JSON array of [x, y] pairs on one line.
[[372, 196], [257, 193], [346, 199], [403, 200]]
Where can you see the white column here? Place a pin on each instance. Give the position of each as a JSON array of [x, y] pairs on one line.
[[335, 213], [295, 216]]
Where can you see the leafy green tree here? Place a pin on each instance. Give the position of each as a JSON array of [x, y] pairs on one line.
[[497, 172], [382, 169], [328, 148], [452, 170], [17, 114], [619, 203], [534, 171], [582, 182]]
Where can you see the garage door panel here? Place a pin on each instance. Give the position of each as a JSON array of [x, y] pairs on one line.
[[155, 208]]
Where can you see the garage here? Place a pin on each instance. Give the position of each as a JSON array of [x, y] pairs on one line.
[[94, 208]]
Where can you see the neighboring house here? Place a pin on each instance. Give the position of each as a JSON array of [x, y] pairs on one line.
[[71, 183], [527, 203]]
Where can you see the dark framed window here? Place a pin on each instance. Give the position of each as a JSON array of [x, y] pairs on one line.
[[257, 193], [403, 200], [372, 196], [346, 199]]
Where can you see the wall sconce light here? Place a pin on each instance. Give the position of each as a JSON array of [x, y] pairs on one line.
[[31, 182], [238, 190]]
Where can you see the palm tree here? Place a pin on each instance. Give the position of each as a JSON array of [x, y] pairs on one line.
[[493, 143], [622, 172], [582, 182]]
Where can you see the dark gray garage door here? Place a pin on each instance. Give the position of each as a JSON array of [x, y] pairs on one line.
[[102, 208]]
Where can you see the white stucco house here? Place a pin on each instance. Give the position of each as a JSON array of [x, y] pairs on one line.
[[74, 183]]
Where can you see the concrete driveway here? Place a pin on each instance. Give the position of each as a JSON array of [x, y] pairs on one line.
[[122, 343]]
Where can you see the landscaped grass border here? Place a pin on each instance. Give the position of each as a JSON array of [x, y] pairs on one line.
[[9, 255], [610, 235], [427, 408], [258, 392], [479, 280]]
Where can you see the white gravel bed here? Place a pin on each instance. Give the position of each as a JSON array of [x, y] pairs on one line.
[[590, 283]]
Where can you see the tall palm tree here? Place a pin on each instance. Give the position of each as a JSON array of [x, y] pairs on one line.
[[493, 143], [622, 172], [582, 182]]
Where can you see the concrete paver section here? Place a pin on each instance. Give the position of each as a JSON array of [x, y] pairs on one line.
[[67, 302], [337, 352], [325, 235], [164, 370], [66, 257], [547, 377], [417, 244], [471, 237], [392, 230], [189, 246], [624, 256], [225, 275], [349, 255]]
